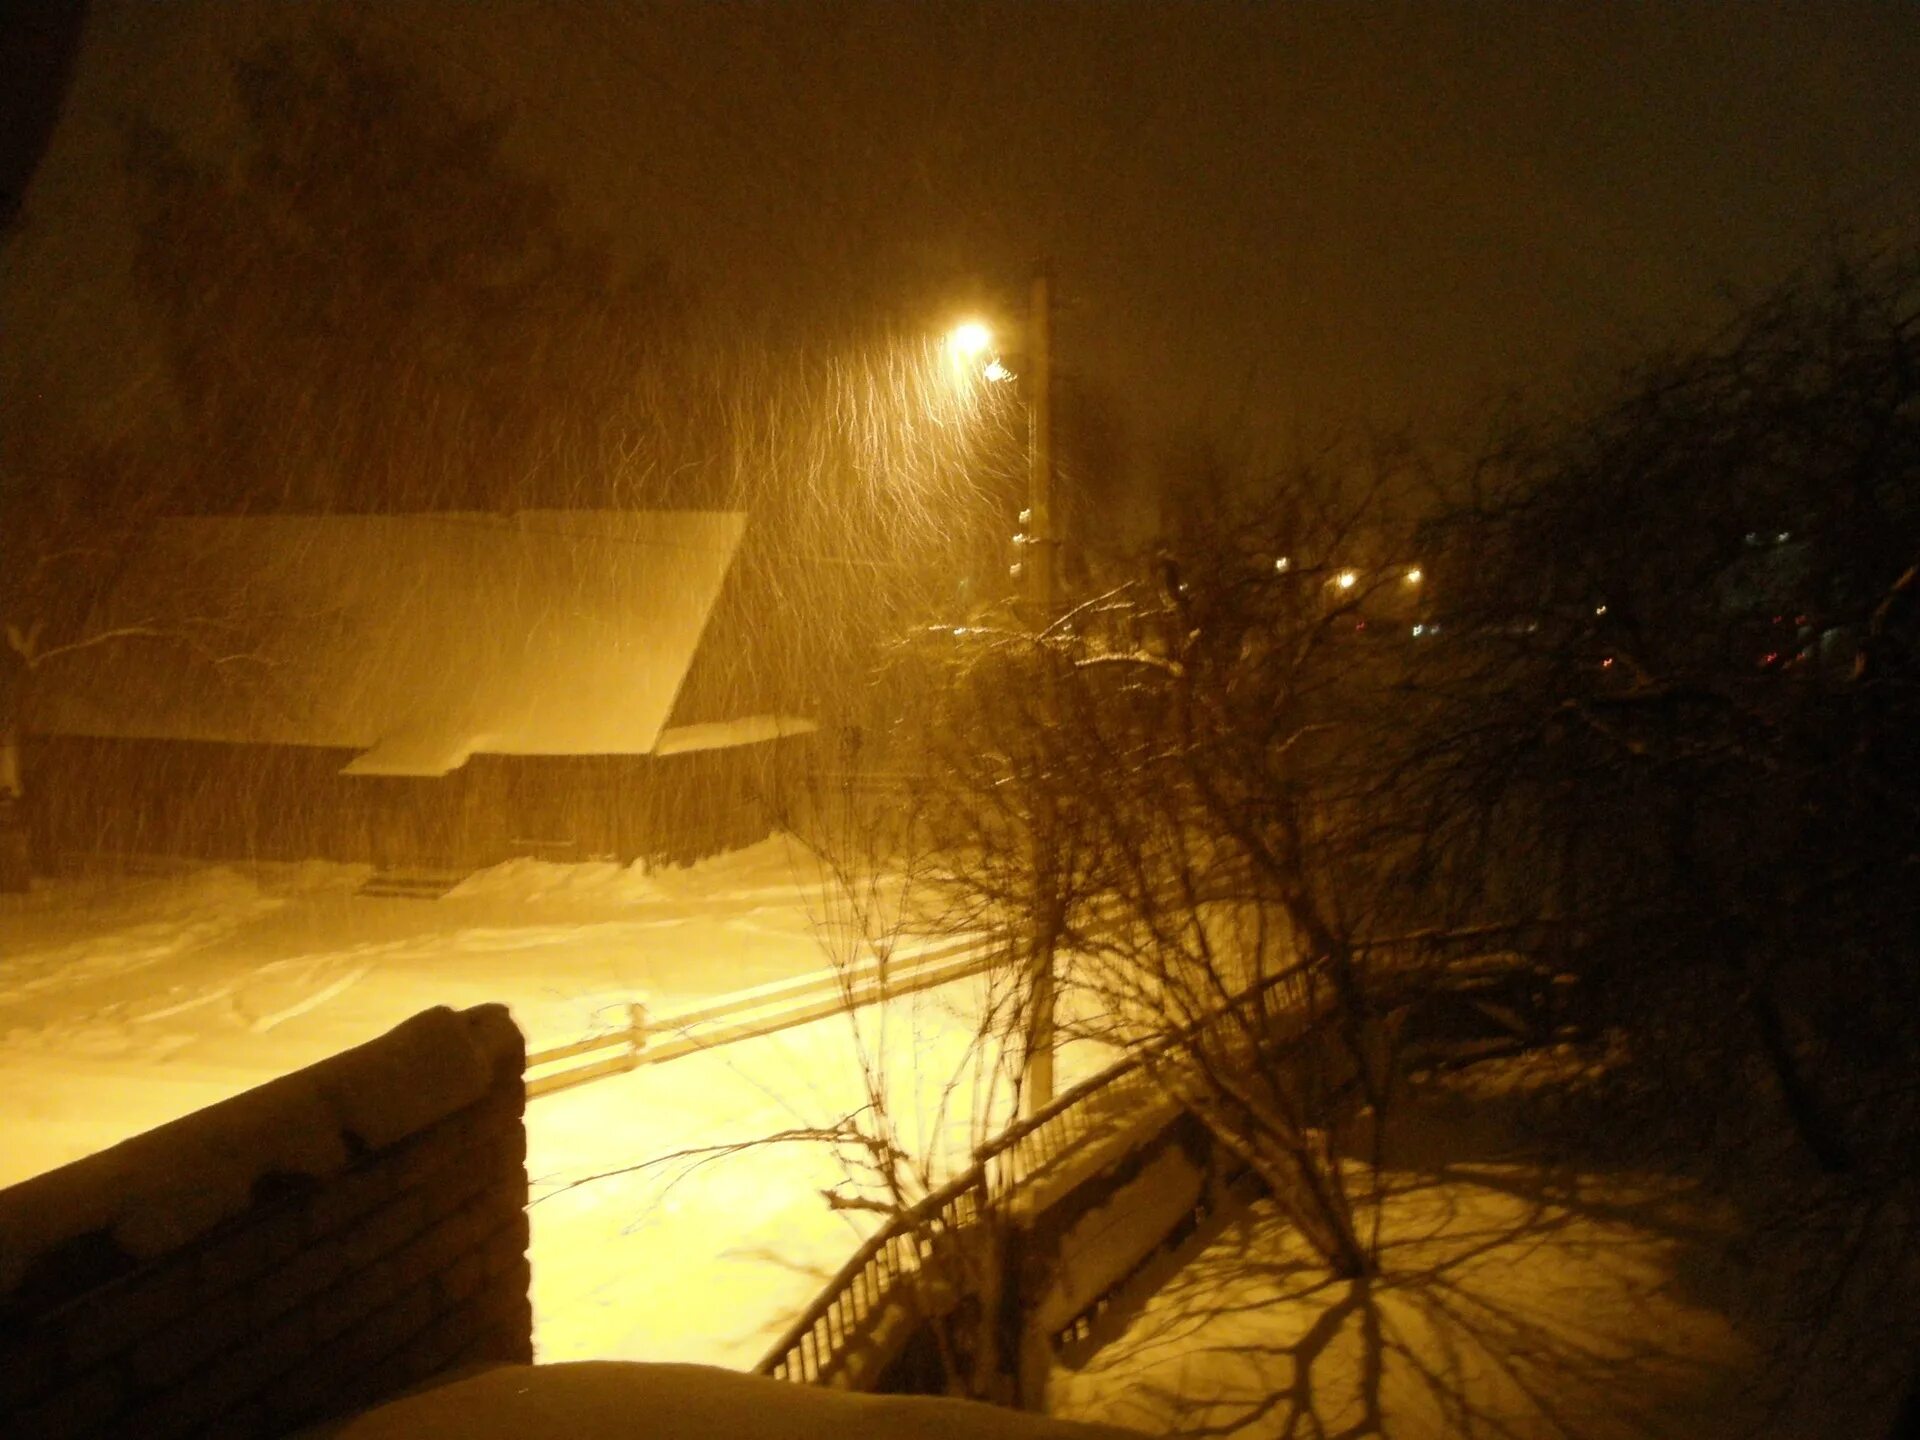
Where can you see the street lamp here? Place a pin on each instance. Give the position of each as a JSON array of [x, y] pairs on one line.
[[969, 340], [967, 343]]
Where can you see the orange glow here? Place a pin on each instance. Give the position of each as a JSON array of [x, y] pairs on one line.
[[970, 340]]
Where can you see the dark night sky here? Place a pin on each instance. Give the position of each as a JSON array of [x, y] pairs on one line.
[[1312, 211]]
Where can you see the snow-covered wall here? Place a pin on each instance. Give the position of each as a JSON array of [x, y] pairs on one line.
[[89, 796], [305, 1249]]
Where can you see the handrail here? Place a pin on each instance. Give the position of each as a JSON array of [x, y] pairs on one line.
[[898, 1248], [813, 1347], [809, 1349]]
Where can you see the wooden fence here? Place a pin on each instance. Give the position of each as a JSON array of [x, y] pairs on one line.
[[833, 1341], [816, 1347], [648, 1039]]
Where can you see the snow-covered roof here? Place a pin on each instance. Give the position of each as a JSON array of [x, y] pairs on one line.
[[417, 640], [722, 734]]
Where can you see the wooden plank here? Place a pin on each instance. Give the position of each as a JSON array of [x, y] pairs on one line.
[[567, 1079], [820, 982], [662, 1046], [824, 994], [578, 1047]]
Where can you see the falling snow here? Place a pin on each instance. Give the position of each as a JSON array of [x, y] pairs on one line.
[[127, 1002]]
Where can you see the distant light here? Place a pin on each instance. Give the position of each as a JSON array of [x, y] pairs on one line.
[[1419, 629], [1020, 538], [1415, 575], [996, 372], [1346, 579], [1784, 536], [1599, 609], [1607, 664], [1282, 564], [970, 340]]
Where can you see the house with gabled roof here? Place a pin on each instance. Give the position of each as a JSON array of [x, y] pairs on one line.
[[422, 692]]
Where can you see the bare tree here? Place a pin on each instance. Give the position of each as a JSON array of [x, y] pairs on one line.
[[369, 307], [1193, 771], [939, 1071]]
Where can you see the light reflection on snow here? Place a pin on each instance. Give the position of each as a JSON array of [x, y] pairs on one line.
[[269, 969]]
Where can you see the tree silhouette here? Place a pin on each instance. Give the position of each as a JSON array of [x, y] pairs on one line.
[[370, 309]]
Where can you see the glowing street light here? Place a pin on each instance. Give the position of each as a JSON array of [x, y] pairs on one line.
[[1346, 579], [1415, 575], [969, 341]]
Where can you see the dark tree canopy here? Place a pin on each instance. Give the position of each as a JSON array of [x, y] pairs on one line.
[[1687, 659], [37, 48], [370, 309]]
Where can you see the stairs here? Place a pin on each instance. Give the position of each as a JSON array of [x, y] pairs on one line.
[[412, 884]]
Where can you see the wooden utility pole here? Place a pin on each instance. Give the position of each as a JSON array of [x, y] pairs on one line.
[[1040, 555], [1042, 542]]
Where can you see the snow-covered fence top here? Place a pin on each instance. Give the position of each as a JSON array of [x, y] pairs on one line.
[[649, 1039], [303, 1249]]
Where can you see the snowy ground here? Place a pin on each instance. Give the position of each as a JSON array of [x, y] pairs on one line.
[[1519, 1298], [199, 984], [706, 1262], [126, 1002]]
